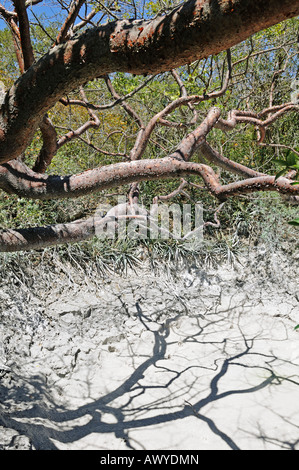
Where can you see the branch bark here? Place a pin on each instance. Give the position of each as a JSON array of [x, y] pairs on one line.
[[40, 237], [24, 28], [67, 25], [49, 148], [17, 178], [11, 18], [42, 186]]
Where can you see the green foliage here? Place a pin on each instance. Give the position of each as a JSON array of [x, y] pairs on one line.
[[8, 64], [294, 222], [290, 162], [159, 6]]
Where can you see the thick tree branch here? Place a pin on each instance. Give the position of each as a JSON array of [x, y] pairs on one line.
[[212, 156], [30, 3], [84, 21], [261, 183], [40, 237], [16, 177], [24, 28], [71, 18], [26, 59], [11, 18], [7, 14], [49, 148], [194, 30], [198, 136]]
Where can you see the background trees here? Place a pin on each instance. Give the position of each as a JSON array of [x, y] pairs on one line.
[[227, 118]]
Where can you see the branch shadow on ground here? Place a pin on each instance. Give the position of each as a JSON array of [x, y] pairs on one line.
[[45, 424]]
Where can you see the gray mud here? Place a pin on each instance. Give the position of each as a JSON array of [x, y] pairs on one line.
[[206, 359]]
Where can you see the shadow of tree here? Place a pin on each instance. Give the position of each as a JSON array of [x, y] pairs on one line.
[[30, 408]]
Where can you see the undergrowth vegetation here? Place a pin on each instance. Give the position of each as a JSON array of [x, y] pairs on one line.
[[261, 219]]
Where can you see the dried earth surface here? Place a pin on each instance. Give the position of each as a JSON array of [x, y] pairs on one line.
[[206, 359]]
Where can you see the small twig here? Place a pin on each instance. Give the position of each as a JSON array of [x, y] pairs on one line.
[[217, 223], [174, 193], [280, 146], [84, 21], [68, 102]]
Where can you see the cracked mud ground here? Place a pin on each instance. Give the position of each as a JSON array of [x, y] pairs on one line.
[[207, 359]]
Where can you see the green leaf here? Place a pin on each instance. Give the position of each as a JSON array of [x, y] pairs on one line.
[[294, 182], [280, 173], [294, 222], [280, 161], [291, 159], [296, 327]]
